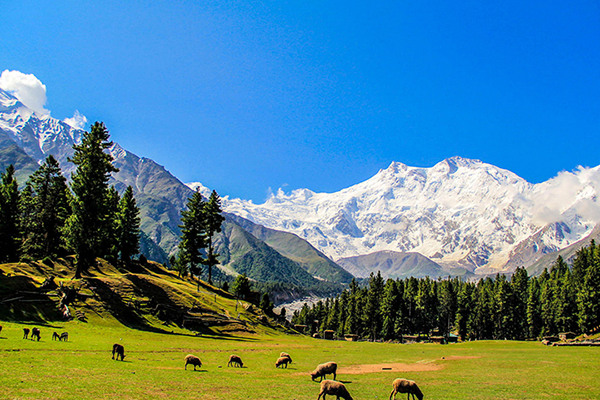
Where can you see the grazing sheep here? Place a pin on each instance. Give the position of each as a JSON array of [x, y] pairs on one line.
[[405, 386], [35, 333], [119, 350], [193, 360], [334, 388], [55, 336], [64, 337], [235, 361], [282, 361], [25, 333], [324, 369], [284, 354], [0, 328]]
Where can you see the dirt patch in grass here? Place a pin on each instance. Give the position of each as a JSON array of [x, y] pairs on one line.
[[460, 357], [396, 367]]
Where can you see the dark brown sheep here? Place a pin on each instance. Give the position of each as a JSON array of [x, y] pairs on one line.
[[282, 361], [235, 361], [334, 388], [64, 337], [55, 336], [193, 360], [284, 354], [35, 333], [25, 333], [324, 369], [401, 385], [119, 350]]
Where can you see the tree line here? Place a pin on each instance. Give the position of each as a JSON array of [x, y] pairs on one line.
[[563, 299], [49, 218]]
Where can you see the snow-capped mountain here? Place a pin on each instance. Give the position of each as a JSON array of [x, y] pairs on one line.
[[460, 213], [38, 135]]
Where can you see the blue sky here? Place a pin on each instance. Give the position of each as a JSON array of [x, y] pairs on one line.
[[248, 96]]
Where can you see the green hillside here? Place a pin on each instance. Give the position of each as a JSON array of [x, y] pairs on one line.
[[142, 296], [242, 253], [296, 249]]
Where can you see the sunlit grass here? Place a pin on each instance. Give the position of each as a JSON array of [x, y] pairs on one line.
[[82, 368]]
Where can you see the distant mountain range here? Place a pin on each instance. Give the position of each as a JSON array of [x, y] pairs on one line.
[[460, 217], [460, 214]]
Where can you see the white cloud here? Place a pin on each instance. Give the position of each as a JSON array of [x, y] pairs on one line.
[[578, 191], [77, 121], [27, 88]]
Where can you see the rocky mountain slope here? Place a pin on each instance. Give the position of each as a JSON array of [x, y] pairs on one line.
[[460, 213]]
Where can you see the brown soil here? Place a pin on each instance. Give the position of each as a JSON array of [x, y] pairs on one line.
[[397, 367], [460, 357]]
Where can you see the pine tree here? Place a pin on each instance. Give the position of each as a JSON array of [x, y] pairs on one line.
[[213, 219], [89, 184], [372, 311], [44, 212], [534, 309], [464, 310], [193, 237], [519, 287], [128, 226], [241, 286], [588, 297], [9, 212], [110, 226]]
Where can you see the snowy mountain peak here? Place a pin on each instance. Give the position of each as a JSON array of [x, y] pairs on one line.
[[460, 212]]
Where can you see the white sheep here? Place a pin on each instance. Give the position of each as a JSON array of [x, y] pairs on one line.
[[324, 369], [282, 361], [401, 385], [334, 388], [284, 354], [193, 360]]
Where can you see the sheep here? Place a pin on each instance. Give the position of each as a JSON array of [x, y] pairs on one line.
[[119, 350], [0, 328], [25, 333], [282, 361], [64, 337], [406, 386], [324, 369], [193, 360], [35, 333], [284, 354], [334, 388], [55, 336], [235, 360]]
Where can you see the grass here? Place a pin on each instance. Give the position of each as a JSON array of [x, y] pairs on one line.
[[82, 368]]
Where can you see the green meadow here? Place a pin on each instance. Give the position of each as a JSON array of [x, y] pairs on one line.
[[82, 368]]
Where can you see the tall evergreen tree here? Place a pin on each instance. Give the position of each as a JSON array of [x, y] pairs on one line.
[[9, 213], [110, 226], [44, 212], [89, 184], [128, 226], [213, 219], [193, 237]]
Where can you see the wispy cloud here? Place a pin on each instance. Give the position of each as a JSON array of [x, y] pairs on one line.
[[77, 121]]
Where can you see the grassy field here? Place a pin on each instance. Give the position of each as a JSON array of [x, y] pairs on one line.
[[82, 368]]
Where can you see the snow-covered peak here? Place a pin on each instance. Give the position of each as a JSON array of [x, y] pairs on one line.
[[195, 186], [460, 212]]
